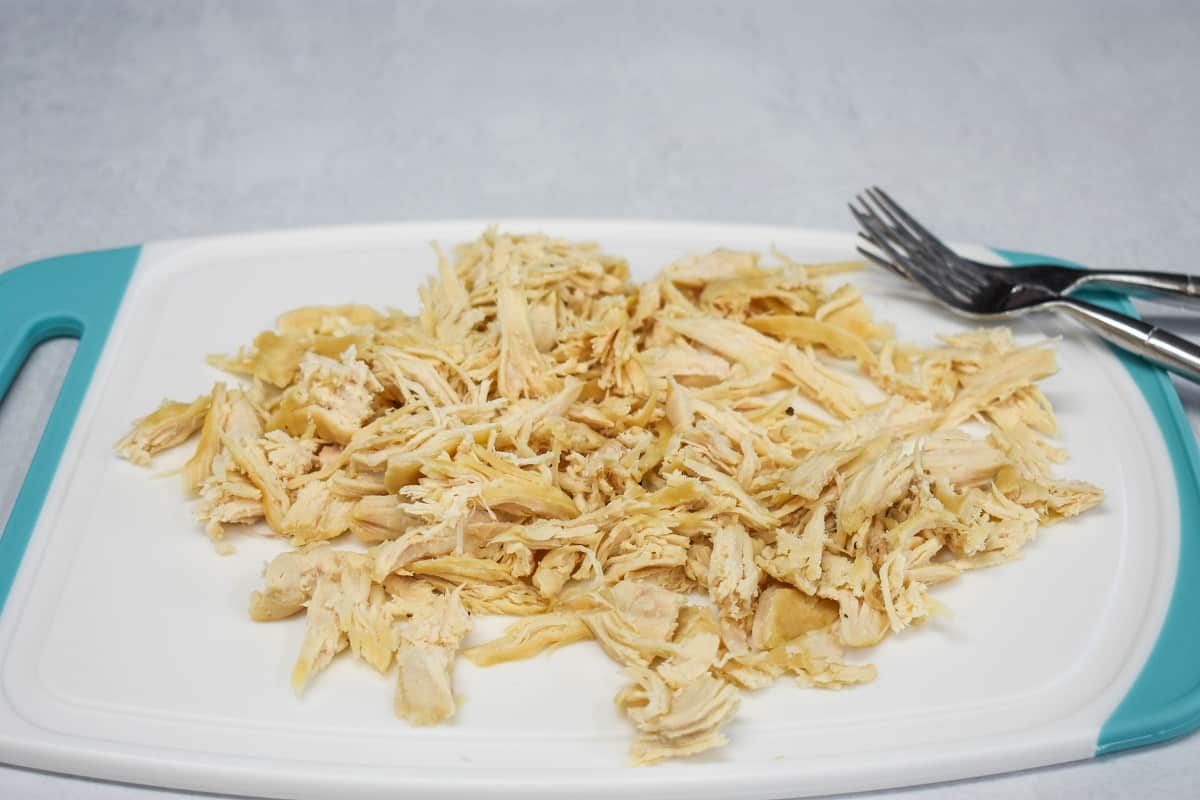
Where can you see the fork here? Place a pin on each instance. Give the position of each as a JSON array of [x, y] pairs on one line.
[[971, 289]]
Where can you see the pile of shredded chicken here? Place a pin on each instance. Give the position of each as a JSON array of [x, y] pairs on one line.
[[723, 476]]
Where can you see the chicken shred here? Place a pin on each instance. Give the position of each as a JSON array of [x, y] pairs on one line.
[[697, 473], [170, 424]]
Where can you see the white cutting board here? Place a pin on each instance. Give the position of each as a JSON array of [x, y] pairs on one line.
[[126, 651]]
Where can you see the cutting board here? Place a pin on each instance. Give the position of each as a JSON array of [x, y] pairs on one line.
[[126, 652]]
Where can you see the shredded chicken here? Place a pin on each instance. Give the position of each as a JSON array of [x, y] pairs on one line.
[[170, 424], [697, 473]]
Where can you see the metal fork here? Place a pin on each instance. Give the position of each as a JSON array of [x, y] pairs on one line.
[[906, 247]]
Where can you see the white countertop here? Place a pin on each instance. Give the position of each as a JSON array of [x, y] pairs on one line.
[[1065, 128]]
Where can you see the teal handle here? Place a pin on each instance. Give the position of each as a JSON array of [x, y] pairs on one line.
[[76, 296], [1164, 701]]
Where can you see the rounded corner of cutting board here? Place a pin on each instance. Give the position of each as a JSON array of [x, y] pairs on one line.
[[1164, 701], [75, 295]]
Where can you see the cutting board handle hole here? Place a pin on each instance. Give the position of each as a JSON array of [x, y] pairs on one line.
[[25, 409]]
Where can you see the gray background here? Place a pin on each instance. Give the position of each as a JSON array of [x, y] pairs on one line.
[[1068, 128]]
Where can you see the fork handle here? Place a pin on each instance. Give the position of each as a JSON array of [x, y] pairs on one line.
[[1161, 286], [1140, 338]]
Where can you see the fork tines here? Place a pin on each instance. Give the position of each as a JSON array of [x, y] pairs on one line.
[[904, 246]]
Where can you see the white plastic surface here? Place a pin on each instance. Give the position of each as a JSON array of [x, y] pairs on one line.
[[126, 651]]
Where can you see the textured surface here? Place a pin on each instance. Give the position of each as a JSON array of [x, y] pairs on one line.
[[1064, 128]]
